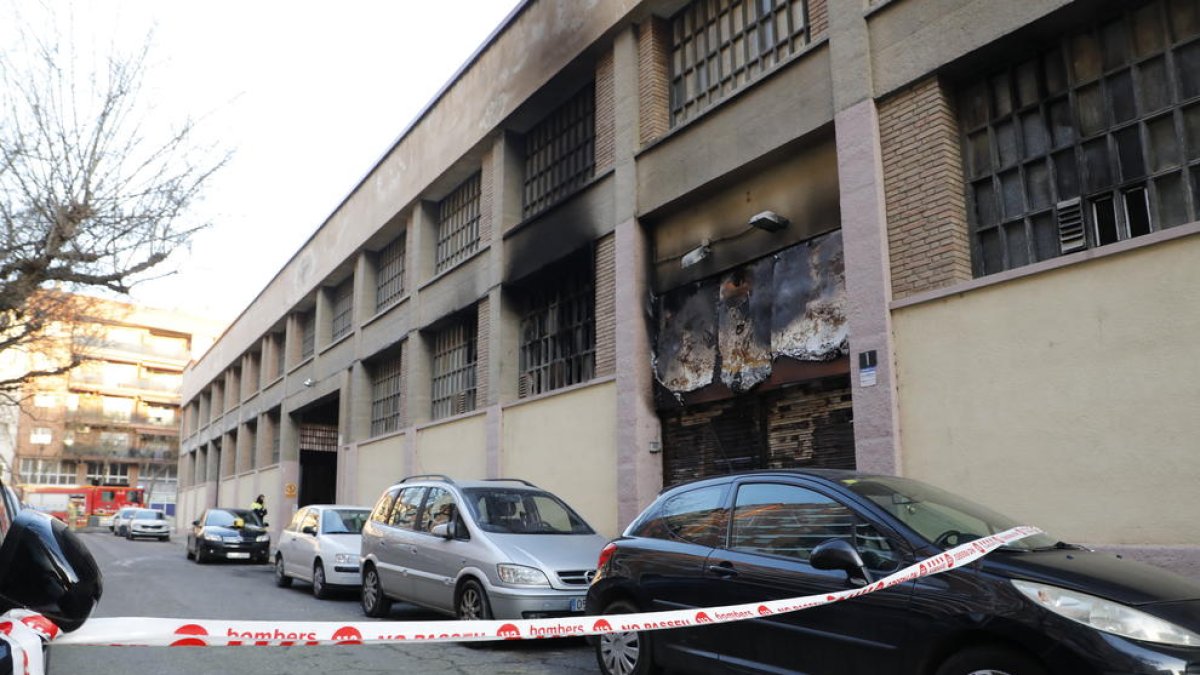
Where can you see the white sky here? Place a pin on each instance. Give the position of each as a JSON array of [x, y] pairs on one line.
[[309, 95]]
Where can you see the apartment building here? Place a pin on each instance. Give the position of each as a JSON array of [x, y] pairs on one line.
[[112, 420], [632, 243]]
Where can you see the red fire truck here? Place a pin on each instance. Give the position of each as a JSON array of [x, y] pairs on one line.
[[81, 503]]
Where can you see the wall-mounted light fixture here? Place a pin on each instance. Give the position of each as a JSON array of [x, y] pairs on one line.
[[308, 382], [695, 255], [768, 221]]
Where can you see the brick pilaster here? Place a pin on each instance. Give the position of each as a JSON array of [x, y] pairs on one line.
[[606, 270], [818, 19], [928, 240], [654, 79], [605, 114], [483, 346], [487, 195]]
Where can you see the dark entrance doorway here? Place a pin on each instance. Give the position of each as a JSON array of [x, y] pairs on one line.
[[318, 453], [808, 424]]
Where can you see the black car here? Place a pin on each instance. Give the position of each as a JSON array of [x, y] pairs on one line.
[[229, 534], [1035, 607]]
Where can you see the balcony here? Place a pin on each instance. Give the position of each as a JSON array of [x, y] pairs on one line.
[[102, 451], [153, 350], [98, 417]]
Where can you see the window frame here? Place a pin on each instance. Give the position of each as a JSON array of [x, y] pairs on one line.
[[566, 287], [1089, 155], [341, 305], [387, 392], [454, 374], [560, 153], [459, 215], [389, 273]]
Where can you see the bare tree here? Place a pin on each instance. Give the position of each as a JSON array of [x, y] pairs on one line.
[[95, 190]]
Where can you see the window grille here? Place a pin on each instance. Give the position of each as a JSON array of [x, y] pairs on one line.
[[343, 309], [385, 394], [274, 426], [1093, 141], [558, 329], [308, 334], [458, 224], [277, 344], [719, 47], [560, 152], [389, 274], [454, 359]]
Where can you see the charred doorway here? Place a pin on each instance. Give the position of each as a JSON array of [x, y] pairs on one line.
[[318, 453], [803, 425], [751, 368]]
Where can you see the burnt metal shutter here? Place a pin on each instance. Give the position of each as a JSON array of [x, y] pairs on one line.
[[807, 425]]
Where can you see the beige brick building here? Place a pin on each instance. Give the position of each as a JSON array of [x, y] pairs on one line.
[[113, 419], [639, 242]]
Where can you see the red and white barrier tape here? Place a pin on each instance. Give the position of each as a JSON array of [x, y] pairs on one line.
[[26, 633], [151, 632]]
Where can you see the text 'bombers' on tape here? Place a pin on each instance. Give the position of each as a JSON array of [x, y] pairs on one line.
[[149, 632]]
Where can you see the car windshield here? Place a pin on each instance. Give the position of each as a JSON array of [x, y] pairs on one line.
[[515, 511], [229, 518], [343, 521], [147, 514], [939, 516]]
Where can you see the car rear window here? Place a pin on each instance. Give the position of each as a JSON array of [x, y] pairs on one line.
[[343, 521], [697, 516]]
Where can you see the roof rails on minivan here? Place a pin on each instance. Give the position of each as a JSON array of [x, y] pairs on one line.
[[429, 476], [511, 480]]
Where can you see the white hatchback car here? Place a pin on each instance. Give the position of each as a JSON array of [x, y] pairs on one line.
[[146, 523], [321, 546], [120, 520]]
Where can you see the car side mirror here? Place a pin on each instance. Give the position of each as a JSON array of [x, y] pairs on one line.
[[445, 530], [307, 529], [839, 554], [46, 567]]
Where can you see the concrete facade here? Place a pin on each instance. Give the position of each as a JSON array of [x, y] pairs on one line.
[[849, 124]]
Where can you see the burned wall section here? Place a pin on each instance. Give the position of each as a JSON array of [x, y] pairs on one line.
[[731, 328]]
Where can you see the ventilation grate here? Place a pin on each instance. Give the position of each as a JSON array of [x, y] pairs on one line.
[[1070, 225]]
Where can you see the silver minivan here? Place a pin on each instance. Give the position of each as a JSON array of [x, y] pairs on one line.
[[501, 548]]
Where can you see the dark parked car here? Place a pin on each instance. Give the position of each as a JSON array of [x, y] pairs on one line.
[[1035, 607], [228, 534]]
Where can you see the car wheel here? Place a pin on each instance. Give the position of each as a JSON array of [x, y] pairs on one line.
[[166, 538], [128, 535], [188, 552], [472, 602], [282, 580], [625, 653], [990, 661], [319, 588], [374, 603], [201, 556]]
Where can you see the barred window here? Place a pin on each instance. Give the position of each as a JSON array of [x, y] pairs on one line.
[[458, 224], [1094, 141], [558, 337], [454, 357], [277, 344], [343, 309], [308, 335], [389, 273], [718, 47], [274, 420], [560, 152], [385, 394]]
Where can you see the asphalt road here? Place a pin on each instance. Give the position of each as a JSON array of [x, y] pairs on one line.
[[150, 578]]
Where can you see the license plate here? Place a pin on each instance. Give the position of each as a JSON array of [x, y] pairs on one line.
[[237, 555], [577, 604]]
